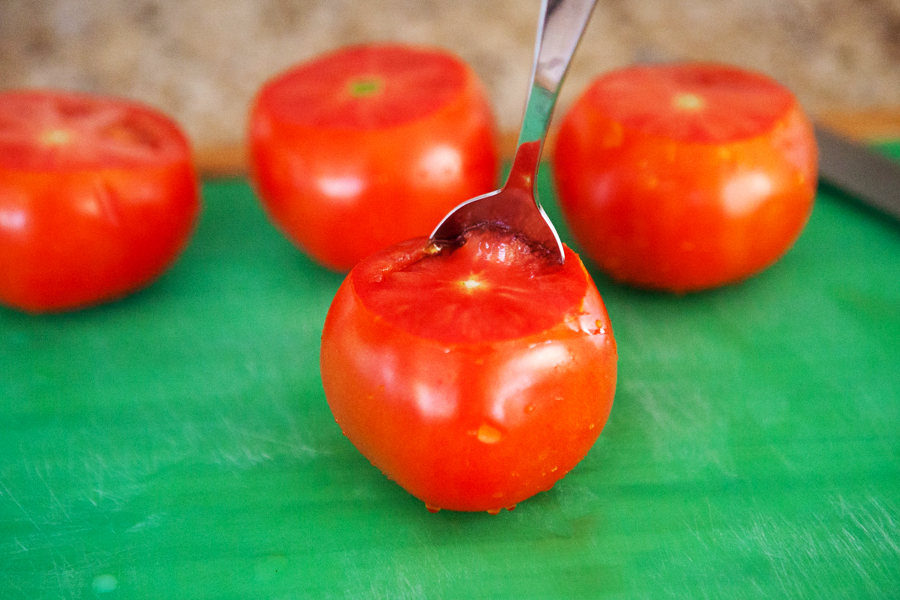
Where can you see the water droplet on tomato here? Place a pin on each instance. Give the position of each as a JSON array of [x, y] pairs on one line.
[[488, 434], [534, 345], [511, 507], [432, 509], [529, 408], [494, 511]]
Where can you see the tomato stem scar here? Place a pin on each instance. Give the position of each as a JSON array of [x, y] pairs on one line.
[[365, 86]]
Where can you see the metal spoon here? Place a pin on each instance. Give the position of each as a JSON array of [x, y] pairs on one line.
[[515, 206]]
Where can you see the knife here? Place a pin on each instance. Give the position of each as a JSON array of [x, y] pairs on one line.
[[867, 176]]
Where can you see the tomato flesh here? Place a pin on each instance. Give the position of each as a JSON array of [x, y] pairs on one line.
[[42, 131], [684, 177], [475, 377], [98, 196], [479, 289], [368, 146]]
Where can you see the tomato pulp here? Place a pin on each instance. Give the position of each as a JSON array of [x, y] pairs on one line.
[[98, 196], [474, 377], [685, 176], [368, 146]]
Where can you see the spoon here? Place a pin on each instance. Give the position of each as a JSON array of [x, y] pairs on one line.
[[515, 205]]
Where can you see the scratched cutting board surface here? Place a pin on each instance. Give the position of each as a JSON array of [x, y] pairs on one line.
[[178, 444]]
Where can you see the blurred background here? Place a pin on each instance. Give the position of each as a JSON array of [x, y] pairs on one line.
[[202, 60]]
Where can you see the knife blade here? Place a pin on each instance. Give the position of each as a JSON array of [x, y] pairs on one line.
[[867, 176]]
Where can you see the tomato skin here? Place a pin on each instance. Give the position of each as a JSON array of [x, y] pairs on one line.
[[67, 257], [340, 193], [469, 426], [667, 212], [76, 237]]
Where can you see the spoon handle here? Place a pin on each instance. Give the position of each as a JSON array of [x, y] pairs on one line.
[[561, 25]]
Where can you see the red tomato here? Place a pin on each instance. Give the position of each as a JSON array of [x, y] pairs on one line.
[[98, 196], [473, 377], [368, 146], [685, 176]]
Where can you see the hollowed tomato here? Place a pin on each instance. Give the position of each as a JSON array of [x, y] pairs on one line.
[[98, 196], [474, 377], [685, 176], [368, 146]]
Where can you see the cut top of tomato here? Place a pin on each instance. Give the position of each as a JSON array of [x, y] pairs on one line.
[[494, 287], [43, 130], [692, 102], [366, 87]]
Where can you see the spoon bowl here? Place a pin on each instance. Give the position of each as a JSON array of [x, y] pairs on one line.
[[515, 206]]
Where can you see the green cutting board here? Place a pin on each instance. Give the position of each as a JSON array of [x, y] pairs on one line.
[[178, 444]]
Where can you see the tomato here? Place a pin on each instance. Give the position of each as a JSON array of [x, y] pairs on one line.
[[98, 196], [685, 176], [368, 146], [473, 377]]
